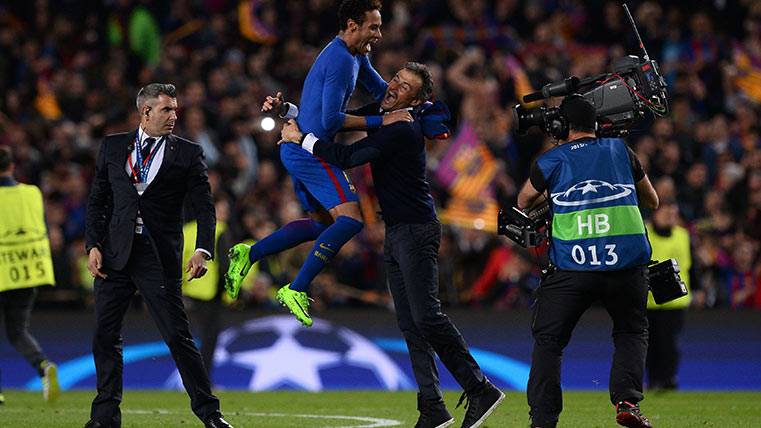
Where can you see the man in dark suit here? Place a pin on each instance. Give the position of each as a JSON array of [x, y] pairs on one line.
[[134, 242]]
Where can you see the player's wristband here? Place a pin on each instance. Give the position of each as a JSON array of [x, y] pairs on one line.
[[289, 111], [308, 142], [374, 122]]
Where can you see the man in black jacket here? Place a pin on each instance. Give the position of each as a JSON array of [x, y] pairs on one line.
[[134, 242], [397, 156]]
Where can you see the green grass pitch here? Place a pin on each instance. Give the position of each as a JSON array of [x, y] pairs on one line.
[[373, 409]]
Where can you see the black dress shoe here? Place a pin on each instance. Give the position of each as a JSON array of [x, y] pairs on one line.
[[94, 424], [216, 421]]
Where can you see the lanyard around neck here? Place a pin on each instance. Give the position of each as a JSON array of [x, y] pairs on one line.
[[142, 167]]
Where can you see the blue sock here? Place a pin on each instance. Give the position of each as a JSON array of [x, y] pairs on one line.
[[325, 248], [288, 236]]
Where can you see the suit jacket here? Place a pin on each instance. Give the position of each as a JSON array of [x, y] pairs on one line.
[[114, 202]]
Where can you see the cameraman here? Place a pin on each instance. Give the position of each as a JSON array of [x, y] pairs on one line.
[[598, 251]]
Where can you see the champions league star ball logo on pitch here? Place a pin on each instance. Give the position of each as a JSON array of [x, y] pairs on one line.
[[278, 353], [591, 192]]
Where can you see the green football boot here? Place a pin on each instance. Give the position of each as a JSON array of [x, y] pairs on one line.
[[51, 389], [297, 302], [240, 264]]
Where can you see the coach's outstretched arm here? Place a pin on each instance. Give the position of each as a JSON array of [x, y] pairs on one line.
[[275, 103], [386, 142]]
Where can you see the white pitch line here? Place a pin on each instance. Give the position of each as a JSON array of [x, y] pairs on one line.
[[374, 422], [371, 422]]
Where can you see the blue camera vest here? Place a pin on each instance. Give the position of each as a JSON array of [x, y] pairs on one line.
[[596, 222]]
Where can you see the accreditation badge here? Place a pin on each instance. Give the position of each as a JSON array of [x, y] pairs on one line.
[[139, 225]]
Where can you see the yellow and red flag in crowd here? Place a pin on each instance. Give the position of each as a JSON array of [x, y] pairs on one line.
[[251, 24], [748, 78], [467, 170]]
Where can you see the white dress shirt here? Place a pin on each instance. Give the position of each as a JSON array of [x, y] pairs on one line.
[[158, 157]]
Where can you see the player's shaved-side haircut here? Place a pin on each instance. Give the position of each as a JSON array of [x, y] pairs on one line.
[[355, 10]]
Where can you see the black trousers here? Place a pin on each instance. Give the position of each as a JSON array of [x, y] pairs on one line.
[[662, 351], [206, 316], [411, 258], [16, 307], [561, 300], [162, 297]]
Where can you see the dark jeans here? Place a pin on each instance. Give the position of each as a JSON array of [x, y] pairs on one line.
[[561, 300], [411, 257], [662, 351], [16, 307], [162, 297]]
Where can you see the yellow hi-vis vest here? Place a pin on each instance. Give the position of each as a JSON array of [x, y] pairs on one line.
[[676, 246], [205, 287], [24, 246]]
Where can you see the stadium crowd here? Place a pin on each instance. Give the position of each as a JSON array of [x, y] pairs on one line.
[[69, 71]]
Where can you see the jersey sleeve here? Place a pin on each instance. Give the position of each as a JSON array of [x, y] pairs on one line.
[[370, 79], [338, 77]]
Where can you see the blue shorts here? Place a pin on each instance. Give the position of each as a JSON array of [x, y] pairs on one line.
[[317, 183]]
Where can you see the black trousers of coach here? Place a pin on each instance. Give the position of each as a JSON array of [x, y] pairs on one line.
[[561, 300], [411, 258], [162, 297]]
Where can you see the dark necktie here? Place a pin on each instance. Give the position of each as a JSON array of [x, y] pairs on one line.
[[147, 146]]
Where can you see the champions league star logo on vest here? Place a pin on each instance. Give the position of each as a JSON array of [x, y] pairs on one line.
[[590, 192]]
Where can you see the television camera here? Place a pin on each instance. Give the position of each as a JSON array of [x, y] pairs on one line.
[[634, 87]]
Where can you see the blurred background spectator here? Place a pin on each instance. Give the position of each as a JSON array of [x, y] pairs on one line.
[[68, 70]]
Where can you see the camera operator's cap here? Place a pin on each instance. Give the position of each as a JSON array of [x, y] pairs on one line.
[[579, 111]]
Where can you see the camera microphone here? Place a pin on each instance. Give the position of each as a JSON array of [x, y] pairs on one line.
[[556, 89], [534, 96], [559, 89]]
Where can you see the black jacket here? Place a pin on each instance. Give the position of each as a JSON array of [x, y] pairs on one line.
[[114, 202], [397, 156]]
